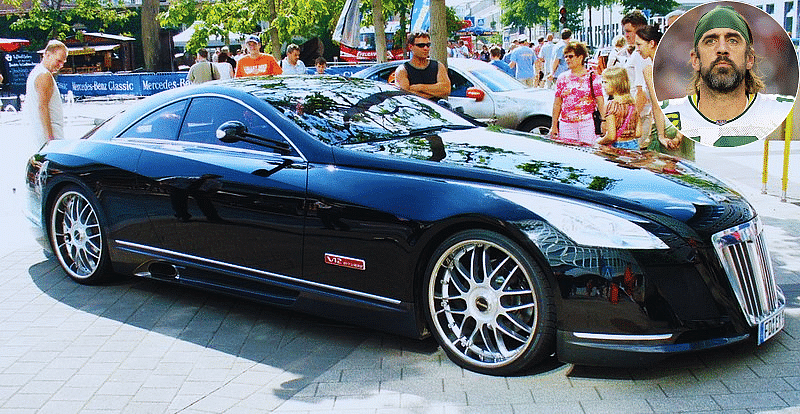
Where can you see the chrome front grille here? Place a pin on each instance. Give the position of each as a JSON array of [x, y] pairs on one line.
[[746, 261]]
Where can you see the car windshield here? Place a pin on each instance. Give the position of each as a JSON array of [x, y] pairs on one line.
[[341, 111], [497, 80]]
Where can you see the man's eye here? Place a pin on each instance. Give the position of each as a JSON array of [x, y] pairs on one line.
[[733, 41], [710, 41]]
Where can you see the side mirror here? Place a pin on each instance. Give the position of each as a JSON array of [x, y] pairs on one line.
[[235, 131], [231, 131], [475, 94]]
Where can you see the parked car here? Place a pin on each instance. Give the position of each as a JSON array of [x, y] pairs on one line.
[[599, 59], [353, 200], [483, 92]]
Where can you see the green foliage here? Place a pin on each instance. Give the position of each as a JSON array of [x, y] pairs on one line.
[[525, 13], [401, 10], [294, 18], [660, 7], [55, 19], [453, 22]]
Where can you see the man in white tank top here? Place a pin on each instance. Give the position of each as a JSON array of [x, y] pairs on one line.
[[42, 108]]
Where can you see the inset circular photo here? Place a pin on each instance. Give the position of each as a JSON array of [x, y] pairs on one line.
[[726, 74]]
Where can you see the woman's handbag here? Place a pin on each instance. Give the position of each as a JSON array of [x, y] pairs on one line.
[[598, 119]]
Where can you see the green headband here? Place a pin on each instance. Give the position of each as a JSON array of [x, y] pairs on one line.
[[722, 17]]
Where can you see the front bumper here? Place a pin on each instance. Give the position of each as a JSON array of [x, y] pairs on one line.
[[629, 350]]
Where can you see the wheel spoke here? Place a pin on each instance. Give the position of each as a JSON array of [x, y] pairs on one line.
[[497, 268], [458, 274], [519, 307], [501, 343], [511, 318]]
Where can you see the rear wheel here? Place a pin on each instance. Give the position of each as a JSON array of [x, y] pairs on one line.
[[539, 125], [77, 236], [488, 304]]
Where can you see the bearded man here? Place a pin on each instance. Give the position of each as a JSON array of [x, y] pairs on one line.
[[727, 107]]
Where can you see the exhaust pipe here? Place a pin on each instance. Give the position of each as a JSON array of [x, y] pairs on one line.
[[161, 270]]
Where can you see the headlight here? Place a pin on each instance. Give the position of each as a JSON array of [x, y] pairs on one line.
[[587, 225]]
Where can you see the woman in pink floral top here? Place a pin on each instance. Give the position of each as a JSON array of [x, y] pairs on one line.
[[574, 101]]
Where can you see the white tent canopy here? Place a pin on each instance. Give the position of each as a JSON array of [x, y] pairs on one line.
[[183, 37]]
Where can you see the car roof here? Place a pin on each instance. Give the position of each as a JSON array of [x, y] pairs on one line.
[[462, 64]]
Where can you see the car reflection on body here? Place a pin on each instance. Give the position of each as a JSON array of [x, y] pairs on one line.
[[353, 200], [485, 93]]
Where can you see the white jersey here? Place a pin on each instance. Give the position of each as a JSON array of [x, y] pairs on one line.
[[298, 68], [31, 108], [764, 113]]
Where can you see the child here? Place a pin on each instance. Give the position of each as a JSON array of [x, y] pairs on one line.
[[622, 126], [321, 64]]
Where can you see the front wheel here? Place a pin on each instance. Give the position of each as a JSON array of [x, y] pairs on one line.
[[77, 236], [489, 305]]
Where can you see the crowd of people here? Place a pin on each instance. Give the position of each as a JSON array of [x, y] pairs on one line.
[[615, 106]]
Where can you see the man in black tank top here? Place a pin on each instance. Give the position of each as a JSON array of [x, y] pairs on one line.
[[421, 75]]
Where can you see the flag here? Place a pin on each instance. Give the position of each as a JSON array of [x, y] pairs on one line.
[[349, 24], [421, 16]]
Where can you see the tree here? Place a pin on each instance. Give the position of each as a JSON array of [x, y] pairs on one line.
[[56, 17], [150, 31], [439, 31], [380, 27], [660, 7], [283, 20], [524, 13]]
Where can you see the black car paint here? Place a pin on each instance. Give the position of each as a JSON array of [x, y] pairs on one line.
[[390, 204]]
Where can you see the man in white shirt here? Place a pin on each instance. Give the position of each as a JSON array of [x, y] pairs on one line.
[[546, 56], [635, 65], [42, 107], [291, 64]]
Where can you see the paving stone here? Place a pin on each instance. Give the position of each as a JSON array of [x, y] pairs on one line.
[[607, 406], [683, 404], [572, 407], [750, 400]]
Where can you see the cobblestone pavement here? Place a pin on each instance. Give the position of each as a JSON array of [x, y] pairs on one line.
[[141, 346]]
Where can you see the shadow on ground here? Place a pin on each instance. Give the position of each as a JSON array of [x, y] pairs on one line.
[[290, 341]]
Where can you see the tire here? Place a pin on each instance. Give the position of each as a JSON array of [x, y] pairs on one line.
[[539, 125], [488, 304], [78, 236]]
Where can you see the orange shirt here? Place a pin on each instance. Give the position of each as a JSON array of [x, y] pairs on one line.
[[264, 64]]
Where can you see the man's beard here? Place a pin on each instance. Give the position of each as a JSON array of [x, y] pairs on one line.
[[722, 79]]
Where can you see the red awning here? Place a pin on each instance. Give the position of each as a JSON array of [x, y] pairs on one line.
[[12, 45]]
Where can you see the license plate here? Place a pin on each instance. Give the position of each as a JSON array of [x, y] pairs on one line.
[[769, 327]]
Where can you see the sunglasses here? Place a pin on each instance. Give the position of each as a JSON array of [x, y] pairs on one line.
[[422, 45], [569, 56]]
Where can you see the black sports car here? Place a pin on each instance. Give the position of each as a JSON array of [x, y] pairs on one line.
[[353, 200]]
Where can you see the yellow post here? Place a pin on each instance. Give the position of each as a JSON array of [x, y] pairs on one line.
[[765, 171], [787, 138]]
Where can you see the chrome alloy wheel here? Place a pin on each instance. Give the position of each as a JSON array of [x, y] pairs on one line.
[[76, 234], [482, 304]]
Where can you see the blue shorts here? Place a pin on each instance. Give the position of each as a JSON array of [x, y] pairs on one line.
[[632, 144]]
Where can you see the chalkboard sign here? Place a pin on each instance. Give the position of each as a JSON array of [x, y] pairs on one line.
[[16, 67]]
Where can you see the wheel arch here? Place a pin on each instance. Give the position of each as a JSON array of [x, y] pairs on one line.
[[472, 222], [54, 188], [532, 120]]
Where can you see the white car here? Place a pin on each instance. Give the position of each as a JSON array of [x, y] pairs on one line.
[[488, 94]]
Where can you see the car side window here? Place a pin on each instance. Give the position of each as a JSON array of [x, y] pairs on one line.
[[161, 124], [459, 84], [385, 75], [207, 113]]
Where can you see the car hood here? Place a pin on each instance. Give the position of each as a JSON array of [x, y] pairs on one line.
[[534, 94], [641, 181]]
